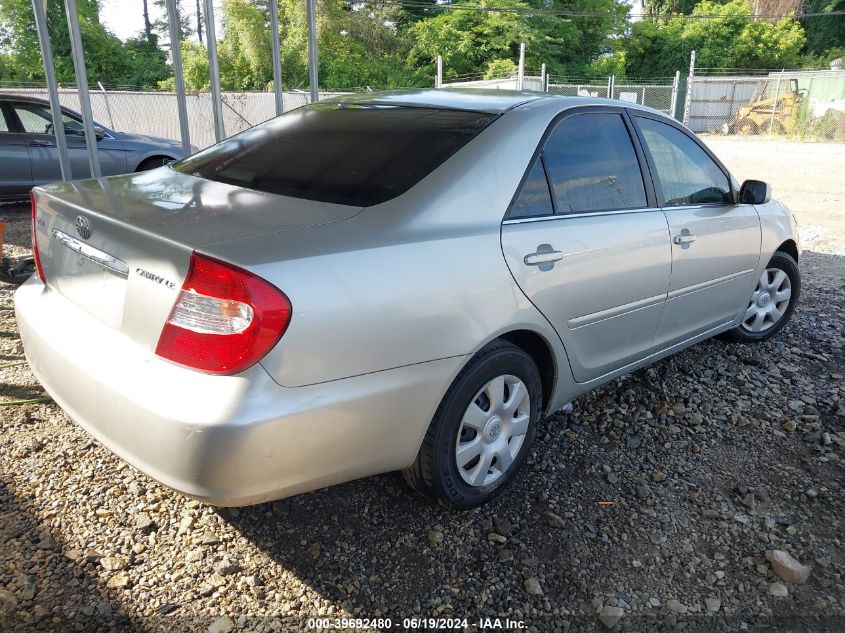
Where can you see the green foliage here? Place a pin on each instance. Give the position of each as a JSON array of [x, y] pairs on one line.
[[107, 59], [660, 47], [500, 68], [469, 40], [824, 33]]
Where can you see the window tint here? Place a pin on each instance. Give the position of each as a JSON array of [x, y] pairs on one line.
[[592, 165], [533, 199], [335, 152], [4, 127], [37, 119], [687, 174]]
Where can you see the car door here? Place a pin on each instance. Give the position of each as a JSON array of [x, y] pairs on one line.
[[36, 123], [715, 242], [15, 170], [586, 244]]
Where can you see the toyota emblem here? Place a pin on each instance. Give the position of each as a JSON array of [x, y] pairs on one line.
[[82, 227]]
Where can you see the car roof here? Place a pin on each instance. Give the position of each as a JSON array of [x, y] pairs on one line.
[[17, 97], [470, 99], [490, 101]]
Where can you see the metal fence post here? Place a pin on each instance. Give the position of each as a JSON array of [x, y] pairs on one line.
[[543, 77], [520, 76], [438, 80], [676, 84], [277, 56], [690, 81], [52, 89], [609, 90], [106, 99], [176, 57], [214, 71], [312, 50], [612, 86], [775, 103], [82, 87]]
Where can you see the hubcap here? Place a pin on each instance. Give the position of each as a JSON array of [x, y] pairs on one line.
[[769, 301], [492, 430]]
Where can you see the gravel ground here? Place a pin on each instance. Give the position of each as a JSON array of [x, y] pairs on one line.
[[656, 498]]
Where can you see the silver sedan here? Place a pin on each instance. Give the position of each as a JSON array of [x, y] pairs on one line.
[[29, 156], [397, 281]]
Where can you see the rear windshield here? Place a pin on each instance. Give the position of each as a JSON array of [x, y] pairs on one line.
[[335, 152]]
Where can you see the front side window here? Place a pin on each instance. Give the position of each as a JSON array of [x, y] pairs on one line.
[[344, 153], [592, 165], [4, 127], [37, 119], [533, 199], [686, 173]]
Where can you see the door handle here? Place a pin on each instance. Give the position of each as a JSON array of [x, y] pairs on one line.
[[684, 238], [42, 144], [548, 257]]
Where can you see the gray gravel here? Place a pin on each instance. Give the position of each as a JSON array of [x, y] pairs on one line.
[[656, 503]]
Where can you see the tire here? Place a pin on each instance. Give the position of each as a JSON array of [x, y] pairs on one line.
[[153, 163], [746, 127], [745, 332], [436, 472]]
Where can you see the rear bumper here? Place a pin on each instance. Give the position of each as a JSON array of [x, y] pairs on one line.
[[228, 440]]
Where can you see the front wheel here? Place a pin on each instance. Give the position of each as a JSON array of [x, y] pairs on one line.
[[772, 302], [482, 430]]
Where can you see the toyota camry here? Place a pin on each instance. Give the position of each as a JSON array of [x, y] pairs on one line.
[[397, 281]]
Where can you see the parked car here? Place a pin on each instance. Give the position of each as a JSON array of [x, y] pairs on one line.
[[396, 281], [29, 156]]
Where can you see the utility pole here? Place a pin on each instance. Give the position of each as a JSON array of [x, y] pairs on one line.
[[690, 81], [199, 22], [438, 80], [521, 72]]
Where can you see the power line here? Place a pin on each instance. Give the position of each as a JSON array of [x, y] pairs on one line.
[[537, 12]]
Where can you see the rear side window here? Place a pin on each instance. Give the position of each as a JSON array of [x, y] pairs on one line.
[[533, 199], [687, 174], [592, 165], [358, 155]]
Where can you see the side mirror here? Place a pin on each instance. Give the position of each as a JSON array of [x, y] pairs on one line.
[[100, 133], [755, 192]]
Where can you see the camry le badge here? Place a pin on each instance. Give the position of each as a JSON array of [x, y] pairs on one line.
[[82, 227]]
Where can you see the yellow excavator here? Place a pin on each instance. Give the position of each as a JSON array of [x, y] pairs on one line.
[[756, 117]]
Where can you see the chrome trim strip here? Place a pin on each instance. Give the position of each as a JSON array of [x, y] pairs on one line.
[[112, 264], [680, 292], [588, 214], [610, 313]]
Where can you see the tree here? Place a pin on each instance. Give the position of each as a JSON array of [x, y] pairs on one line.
[[660, 47], [468, 40], [824, 32]]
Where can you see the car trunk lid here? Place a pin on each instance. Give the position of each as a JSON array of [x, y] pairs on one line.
[[119, 248]]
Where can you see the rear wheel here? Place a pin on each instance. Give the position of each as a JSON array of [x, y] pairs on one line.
[[482, 430], [772, 302], [746, 127]]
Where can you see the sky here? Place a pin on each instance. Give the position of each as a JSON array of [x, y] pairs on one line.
[[125, 18]]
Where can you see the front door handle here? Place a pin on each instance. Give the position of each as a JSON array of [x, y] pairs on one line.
[[547, 257], [42, 144], [685, 237]]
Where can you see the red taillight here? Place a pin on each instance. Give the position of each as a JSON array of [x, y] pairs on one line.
[[225, 319], [35, 252]]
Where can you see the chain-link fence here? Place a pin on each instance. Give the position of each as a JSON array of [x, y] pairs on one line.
[[658, 93], [791, 104]]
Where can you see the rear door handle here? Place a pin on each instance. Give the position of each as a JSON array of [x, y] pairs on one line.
[[684, 238], [535, 259]]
